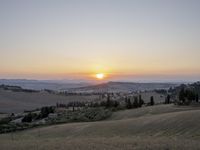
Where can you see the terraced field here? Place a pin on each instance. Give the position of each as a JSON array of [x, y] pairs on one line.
[[157, 127]]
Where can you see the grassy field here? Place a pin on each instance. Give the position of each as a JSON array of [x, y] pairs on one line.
[[158, 127], [13, 102], [147, 111], [158, 98]]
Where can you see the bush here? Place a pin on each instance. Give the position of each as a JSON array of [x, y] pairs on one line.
[[45, 111], [186, 96], [5, 120], [27, 118]]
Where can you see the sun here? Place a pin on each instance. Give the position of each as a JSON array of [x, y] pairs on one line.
[[100, 75]]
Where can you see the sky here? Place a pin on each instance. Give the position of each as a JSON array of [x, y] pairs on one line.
[[127, 40]]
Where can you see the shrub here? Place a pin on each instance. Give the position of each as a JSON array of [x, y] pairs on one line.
[[45, 111], [27, 118], [5, 120], [186, 96]]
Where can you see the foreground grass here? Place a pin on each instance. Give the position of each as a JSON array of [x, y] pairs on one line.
[[68, 116], [171, 130], [99, 143]]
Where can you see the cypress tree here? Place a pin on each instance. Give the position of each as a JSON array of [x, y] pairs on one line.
[[151, 100], [135, 103], [197, 98], [182, 95], [128, 103], [141, 102]]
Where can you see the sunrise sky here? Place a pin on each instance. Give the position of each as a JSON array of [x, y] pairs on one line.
[[133, 40]]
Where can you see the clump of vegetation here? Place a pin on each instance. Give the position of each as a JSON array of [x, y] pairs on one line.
[[12, 127], [135, 104], [16, 89], [128, 103], [32, 119], [108, 103], [5, 120], [45, 111], [6, 124], [84, 115], [28, 118], [186, 96]]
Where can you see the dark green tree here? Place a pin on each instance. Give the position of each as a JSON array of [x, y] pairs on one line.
[[189, 95], [128, 103], [197, 98], [45, 111], [167, 100], [108, 102], [141, 102], [135, 103], [115, 104], [27, 118], [151, 100], [182, 95]]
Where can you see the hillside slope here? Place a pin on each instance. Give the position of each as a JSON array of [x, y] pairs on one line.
[[44, 84], [178, 129], [148, 111], [123, 87]]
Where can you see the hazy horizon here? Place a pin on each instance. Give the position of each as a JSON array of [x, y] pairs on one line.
[[93, 81], [125, 40]]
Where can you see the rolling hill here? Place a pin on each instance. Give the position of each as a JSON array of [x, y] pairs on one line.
[[158, 128], [123, 87], [44, 84], [13, 102]]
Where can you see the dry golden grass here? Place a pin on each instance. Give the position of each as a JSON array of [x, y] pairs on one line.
[[147, 111], [158, 98], [177, 129], [99, 143]]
